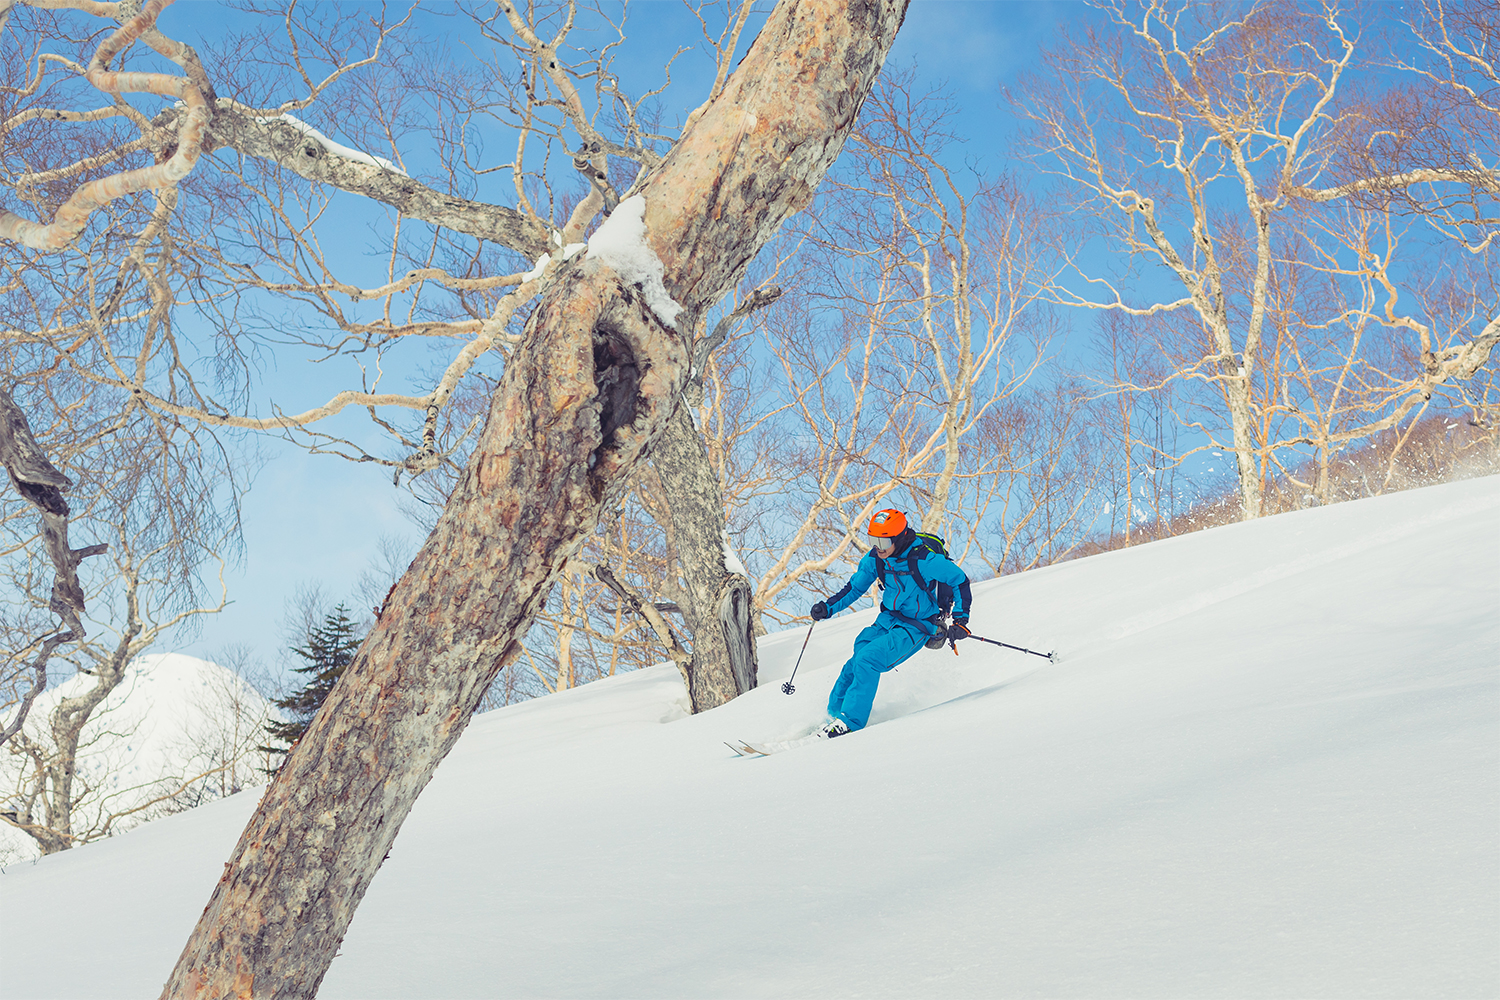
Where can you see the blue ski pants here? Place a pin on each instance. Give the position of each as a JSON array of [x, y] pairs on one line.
[[877, 648]]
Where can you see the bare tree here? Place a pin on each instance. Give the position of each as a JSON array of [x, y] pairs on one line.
[[589, 389], [717, 598], [911, 317], [966, 270], [235, 234], [159, 514], [1042, 474], [233, 712], [589, 383], [1181, 129], [155, 493], [1428, 150], [144, 752]]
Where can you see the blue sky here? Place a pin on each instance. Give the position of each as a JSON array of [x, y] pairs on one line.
[[318, 520]]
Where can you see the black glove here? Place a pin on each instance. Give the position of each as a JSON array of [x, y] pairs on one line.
[[958, 630], [819, 611]]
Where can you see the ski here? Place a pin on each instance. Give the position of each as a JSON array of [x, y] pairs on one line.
[[778, 746]]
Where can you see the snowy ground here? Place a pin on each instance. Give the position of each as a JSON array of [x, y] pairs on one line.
[[1266, 766]]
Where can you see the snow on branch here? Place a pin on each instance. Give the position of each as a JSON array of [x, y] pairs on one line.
[[337, 149], [296, 146], [620, 244]]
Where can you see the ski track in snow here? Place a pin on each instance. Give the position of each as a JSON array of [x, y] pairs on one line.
[[1267, 765]]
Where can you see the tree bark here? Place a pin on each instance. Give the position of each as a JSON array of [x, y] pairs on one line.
[[1242, 430], [718, 608], [589, 391], [66, 724]]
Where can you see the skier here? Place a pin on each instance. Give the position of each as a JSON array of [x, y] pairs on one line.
[[909, 615]]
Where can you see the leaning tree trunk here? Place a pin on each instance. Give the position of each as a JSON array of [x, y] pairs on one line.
[[718, 608], [589, 391]]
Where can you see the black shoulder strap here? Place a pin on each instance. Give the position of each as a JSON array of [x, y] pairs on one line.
[[912, 555], [911, 562]]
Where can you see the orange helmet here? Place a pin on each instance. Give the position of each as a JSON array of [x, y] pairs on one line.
[[887, 524]]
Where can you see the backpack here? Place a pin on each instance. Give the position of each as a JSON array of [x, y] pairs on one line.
[[926, 542]]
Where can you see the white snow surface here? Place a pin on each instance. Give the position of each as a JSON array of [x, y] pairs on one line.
[[172, 717], [620, 242], [1267, 764], [348, 153]]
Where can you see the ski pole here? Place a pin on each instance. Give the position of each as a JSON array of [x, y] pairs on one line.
[[787, 687], [1021, 649]]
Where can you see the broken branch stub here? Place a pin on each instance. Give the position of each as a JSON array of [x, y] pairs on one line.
[[42, 485]]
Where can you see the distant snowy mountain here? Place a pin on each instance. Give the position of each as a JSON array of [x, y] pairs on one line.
[[177, 726], [1266, 764]]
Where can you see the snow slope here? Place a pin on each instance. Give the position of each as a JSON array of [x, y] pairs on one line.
[[172, 717], [1266, 766]]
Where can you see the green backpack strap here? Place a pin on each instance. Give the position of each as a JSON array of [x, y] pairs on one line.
[[926, 542]]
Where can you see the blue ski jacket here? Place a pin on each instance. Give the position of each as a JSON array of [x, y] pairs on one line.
[[905, 600]]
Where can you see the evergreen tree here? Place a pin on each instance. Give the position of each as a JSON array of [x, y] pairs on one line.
[[328, 649]]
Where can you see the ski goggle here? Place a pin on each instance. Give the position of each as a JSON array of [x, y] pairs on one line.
[[884, 545]]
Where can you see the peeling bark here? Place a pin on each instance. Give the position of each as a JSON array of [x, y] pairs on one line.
[[565, 435]]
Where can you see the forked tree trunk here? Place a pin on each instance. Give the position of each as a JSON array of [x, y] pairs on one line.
[[718, 607], [66, 730], [584, 397]]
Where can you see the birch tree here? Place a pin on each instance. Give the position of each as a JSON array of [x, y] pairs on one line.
[[910, 316], [585, 394], [144, 493], [31, 639], [1199, 137], [589, 384], [965, 262], [1178, 128], [1428, 152], [239, 235]]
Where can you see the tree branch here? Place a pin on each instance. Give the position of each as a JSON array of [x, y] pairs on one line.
[[281, 141], [651, 612], [42, 485]]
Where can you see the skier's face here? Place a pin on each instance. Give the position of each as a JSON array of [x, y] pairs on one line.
[[882, 546]]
